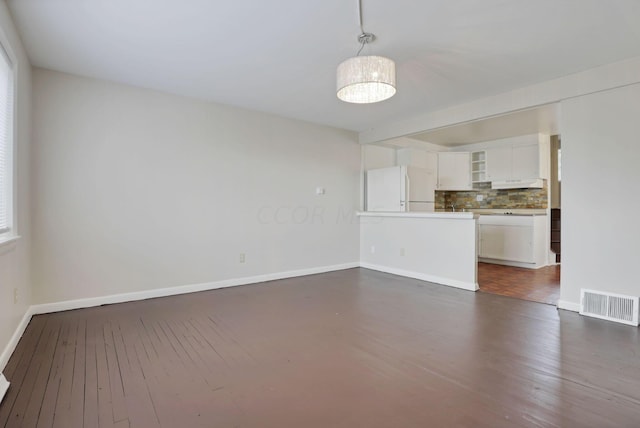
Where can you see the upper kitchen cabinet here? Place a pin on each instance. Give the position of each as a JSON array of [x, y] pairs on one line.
[[526, 162], [418, 158], [454, 171], [519, 159], [499, 163]]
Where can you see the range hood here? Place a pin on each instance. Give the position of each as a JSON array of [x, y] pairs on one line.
[[530, 183]]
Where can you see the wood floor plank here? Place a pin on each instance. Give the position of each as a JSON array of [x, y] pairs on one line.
[[189, 387], [25, 347], [199, 381], [114, 364], [54, 380], [140, 409], [28, 382], [41, 367], [64, 416], [77, 405], [90, 414], [158, 367], [105, 408], [342, 349], [17, 370]]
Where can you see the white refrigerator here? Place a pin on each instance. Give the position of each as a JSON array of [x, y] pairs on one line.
[[400, 188]]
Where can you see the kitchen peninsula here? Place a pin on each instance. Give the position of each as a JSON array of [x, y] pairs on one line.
[[438, 247]]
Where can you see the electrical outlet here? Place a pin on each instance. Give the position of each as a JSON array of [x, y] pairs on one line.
[[402, 252], [242, 258], [16, 296], [479, 198], [373, 249]]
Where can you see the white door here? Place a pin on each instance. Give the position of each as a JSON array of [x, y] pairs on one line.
[[386, 189]]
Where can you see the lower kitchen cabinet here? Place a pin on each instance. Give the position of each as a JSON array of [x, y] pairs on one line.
[[512, 239]]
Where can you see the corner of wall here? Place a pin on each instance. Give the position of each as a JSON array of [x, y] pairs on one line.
[[568, 306]]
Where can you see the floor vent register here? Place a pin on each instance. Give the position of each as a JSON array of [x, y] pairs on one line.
[[609, 306]]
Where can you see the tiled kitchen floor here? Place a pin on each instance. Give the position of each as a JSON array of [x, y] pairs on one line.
[[537, 285]]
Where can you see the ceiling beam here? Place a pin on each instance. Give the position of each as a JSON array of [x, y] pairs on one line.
[[598, 79]]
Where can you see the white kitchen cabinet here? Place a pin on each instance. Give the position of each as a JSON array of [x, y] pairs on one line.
[[506, 242], [499, 161], [526, 162], [478, 166], [513, 240], [513, 162], [418, 158], [454, 171]]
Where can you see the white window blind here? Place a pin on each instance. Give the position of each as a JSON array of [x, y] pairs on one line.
[[6, 146]]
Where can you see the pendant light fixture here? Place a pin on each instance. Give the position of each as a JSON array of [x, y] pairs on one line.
[[366, 79]]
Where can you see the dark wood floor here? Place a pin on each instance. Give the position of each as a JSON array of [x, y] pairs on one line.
[[537, 285], [354, 348]]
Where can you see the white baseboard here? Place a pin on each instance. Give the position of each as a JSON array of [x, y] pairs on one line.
[[524, 265], [15, 338], [568, 306], [183, 289], [471, 286], [4, 386]]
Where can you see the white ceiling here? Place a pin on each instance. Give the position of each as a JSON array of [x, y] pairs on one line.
[[280, 56]]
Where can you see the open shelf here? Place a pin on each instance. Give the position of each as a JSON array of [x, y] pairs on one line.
[[478, 166]]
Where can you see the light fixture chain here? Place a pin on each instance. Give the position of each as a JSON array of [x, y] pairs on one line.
[[360, 15], [363, 37]]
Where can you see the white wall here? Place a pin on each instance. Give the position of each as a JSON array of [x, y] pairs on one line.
[[439, 248], [600, 203], [137, 190], [14, 257]]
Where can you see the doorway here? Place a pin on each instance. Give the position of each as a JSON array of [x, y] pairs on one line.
[[538, 285]]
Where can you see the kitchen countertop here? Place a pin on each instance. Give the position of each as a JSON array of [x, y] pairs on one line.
[[501, 211], [470, 213], [458, 215], [509, 211]]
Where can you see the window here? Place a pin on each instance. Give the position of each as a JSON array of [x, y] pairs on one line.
[[6, 147]]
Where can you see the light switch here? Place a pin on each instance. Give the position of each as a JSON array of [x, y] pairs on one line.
[[319, 190]]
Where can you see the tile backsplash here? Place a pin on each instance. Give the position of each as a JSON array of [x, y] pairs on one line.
[[492, 198]]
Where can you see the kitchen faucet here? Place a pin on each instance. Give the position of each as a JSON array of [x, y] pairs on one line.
[[453, 208]]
